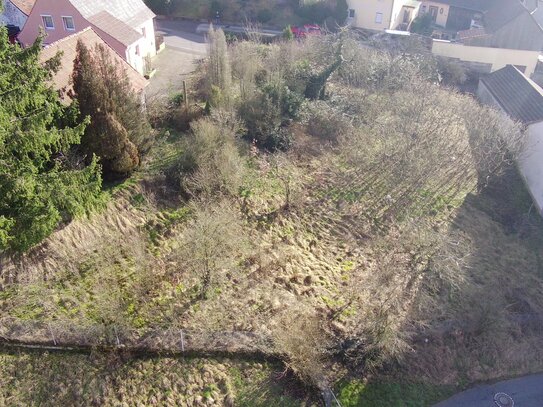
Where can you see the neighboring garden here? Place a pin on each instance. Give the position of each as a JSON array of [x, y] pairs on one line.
[[329, 196]]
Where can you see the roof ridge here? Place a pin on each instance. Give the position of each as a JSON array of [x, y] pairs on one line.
[[89, 28], [118, 19], [70, 36]]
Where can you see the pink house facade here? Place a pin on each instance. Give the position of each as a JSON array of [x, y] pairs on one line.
[[127, 26]]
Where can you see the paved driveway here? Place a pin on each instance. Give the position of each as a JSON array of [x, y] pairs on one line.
[[182, 36], [525, 392], [183, 49]]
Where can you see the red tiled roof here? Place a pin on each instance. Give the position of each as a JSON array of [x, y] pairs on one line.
[[471, 33], [24, 5], [67, 46]]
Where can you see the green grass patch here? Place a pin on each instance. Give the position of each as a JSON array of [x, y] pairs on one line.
[[355, 393]]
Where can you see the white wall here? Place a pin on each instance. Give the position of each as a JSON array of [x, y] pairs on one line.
[[12, 15], [146, 46], [497, 57], [531, 163], [398, 13], [366, 10]]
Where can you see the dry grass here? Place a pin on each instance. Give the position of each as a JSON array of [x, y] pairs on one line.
[[379, 245], [110, 380], [69, 246]]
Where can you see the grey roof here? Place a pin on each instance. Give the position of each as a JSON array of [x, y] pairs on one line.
[[538, 15], [531, 5], [116, 28], [501, 13], [131, 12], [519, 97]]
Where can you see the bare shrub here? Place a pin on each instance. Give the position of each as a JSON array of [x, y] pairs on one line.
[[219, 70], [304, 344], [213, 154], [246, 63], [326, 122], [452, 73], [283, 168], [211, 244], [385, 70]]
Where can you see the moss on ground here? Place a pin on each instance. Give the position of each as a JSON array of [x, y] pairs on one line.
[[52, 379]]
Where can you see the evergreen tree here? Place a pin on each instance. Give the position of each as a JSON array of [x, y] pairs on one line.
[[39, 188], [219, 63], [119, 129]]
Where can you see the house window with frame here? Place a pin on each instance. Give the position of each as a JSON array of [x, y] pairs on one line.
[[379, 18], [144, 32], [137, 50], [68, 22], [351, 13], [48, 22]]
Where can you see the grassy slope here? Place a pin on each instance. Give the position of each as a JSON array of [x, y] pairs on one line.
[[117, 266], [32, 379]]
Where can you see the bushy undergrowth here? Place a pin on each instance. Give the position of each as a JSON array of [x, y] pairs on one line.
[[354, 247]]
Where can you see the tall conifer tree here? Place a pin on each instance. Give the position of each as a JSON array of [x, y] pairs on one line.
[[118, 128], [39, 187]]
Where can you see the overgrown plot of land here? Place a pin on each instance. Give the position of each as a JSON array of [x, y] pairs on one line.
[[329, 197]]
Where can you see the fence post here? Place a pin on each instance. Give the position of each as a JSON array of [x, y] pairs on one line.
[[185, 94], [335, 398], [182, 342], [52, 334], [116, 336]]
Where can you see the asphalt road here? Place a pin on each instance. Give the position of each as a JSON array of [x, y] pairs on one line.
[[175, 64], [182, 36], [525, 391]]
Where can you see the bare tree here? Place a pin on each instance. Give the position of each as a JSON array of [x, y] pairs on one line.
[[218, 167], [220, 74], [211, 243]]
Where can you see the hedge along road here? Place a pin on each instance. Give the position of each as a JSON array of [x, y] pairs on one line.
[[525, 391]]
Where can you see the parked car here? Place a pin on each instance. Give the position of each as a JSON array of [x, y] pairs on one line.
[[306, 30]]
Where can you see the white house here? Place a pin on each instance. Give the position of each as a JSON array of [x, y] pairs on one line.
[[521, 99], [382, 14], [127, 26]]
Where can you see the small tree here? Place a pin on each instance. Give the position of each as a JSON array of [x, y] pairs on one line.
[[220, 74], [288, 34], [118, 127], [422, 24], [211, 243], [213, 158]]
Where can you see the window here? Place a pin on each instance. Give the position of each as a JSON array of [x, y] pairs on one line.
[[144, 32], [68, 23], [379, 18], [137, 50], [351, 13], [48, 22]]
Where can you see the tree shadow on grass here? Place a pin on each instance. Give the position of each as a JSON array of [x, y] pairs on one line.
[[488, 316]]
